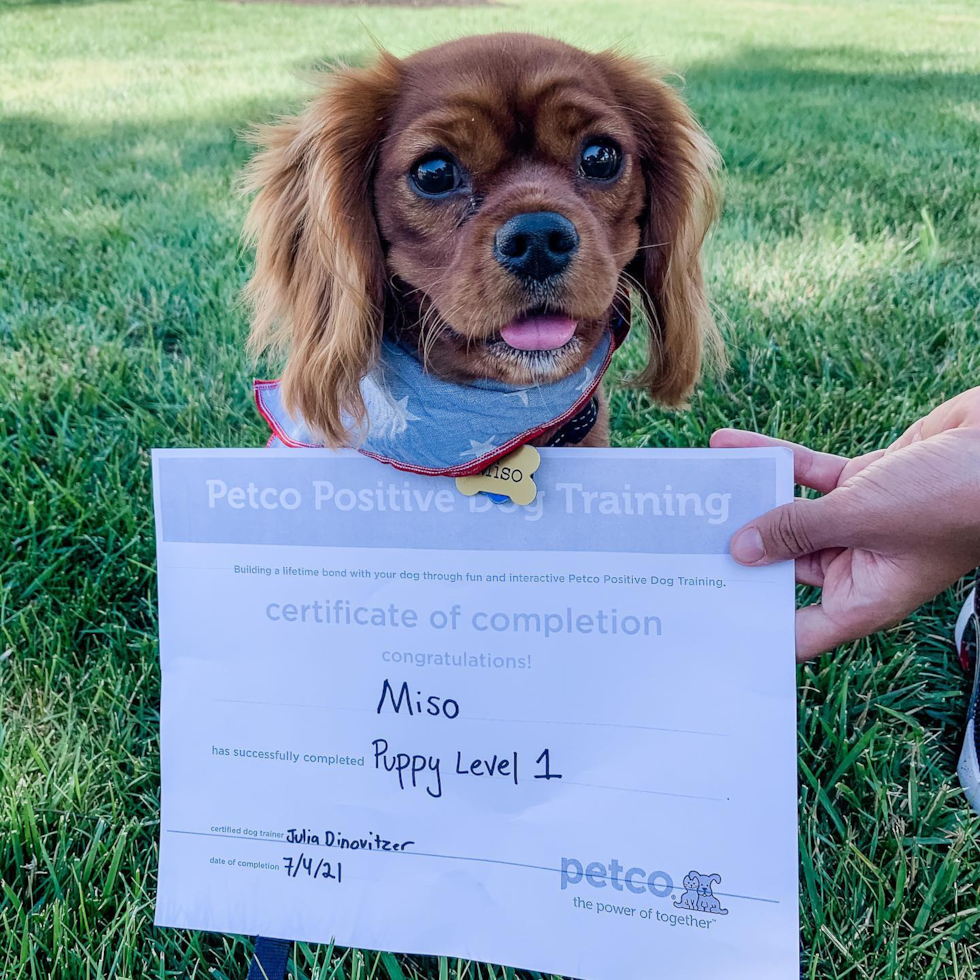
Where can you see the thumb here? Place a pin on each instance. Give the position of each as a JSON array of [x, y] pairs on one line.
[[799, 528]]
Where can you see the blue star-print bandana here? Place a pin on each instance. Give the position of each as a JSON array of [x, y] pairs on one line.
[[423, 424]]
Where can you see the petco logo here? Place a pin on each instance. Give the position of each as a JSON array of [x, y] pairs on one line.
[[599, 875]]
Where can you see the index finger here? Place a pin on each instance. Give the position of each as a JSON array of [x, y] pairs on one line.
[[818, 471]]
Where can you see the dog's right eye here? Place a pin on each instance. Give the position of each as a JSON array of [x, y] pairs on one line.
[[435, 175]]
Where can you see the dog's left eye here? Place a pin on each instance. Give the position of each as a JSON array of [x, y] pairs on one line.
[[601, 160], [436, 174]]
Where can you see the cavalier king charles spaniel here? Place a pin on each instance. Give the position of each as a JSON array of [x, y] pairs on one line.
[[496, 206]]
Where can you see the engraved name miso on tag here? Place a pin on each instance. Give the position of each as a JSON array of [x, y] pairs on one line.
[[507, 477]]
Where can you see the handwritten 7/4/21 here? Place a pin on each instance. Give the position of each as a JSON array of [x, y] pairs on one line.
[[419, 771], [321, 869]]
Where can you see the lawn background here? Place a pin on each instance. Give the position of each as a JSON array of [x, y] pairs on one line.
[[845, 271]]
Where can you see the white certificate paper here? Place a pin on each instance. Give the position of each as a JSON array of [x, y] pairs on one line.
[[559, 737]]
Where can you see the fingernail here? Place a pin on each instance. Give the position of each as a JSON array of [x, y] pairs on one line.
[[747, 547]]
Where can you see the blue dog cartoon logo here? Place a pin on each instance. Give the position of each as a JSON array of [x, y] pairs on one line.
[[698, 895]]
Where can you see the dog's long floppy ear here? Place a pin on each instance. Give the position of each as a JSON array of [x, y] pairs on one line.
[[317, 292], [680, 169]]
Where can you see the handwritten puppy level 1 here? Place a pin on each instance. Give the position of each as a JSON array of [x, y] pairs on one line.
[[420, 771]]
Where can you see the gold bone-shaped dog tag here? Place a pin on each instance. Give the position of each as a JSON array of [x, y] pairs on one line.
[[509, 477]]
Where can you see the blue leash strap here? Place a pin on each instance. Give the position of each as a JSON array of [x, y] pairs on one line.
[[269, 959]]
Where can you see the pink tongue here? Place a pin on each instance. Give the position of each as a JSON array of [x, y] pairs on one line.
[[539, 332]]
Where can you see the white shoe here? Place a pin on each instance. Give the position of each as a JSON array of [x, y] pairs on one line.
[[967, 637]]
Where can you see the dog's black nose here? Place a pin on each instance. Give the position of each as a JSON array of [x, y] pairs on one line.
[[536, 245]]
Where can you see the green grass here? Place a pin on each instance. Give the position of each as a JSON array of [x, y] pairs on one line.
[[845, 269]]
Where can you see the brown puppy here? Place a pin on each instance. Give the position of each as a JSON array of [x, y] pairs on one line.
[[493, 202]]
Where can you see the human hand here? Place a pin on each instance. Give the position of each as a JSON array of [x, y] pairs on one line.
[[892, 530]]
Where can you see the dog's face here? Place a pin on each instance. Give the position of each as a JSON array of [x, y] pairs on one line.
[[509, 194], [494, 201]]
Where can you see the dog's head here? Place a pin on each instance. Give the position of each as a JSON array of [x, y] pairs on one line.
[[705, 883], [495, 201]]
